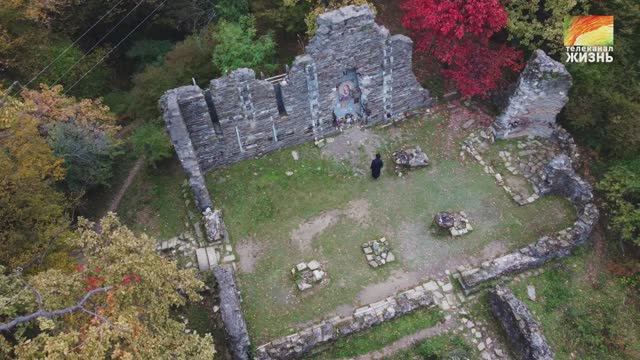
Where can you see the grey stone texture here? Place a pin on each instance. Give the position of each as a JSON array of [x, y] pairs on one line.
[[231, 312], [174, 104], [296, 345], [523, 331], [559, 178], [541, 92], [240, 119], [214, 225]]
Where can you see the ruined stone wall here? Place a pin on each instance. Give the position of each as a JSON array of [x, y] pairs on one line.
[[523, 330], [542, 91], [296, 345], [559, 179], [231, 311], [238, 118], [173, 104]]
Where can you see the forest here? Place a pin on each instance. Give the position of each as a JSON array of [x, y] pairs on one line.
[[80, 82]]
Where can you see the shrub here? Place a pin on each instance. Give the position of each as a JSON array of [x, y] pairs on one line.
[[151, 141]]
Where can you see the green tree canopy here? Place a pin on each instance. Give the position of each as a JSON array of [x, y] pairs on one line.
[[239, 46], [621, 189], [151, 141]]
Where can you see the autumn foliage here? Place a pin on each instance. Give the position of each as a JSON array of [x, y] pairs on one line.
[[458, 34]]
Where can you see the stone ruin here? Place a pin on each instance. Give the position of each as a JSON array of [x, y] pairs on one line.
[[456, 223], [308, 275], [410, 157], [353, 71], [557, 177], [378, 252], [541, 92], [523, 330]]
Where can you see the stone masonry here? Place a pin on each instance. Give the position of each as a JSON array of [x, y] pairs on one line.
[[238, 116], [541, 93], [523, 330]]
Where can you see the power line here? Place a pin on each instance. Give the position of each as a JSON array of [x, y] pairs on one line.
[[115, 47], [73, 44], [97, 43]]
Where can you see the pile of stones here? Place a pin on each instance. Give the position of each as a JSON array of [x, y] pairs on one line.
[[308, 275], [530, 158], [457, 223], [409, 157], [378, 252]]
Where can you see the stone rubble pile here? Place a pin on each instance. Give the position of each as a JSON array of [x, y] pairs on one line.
[[378, 252], [456, 223], [214, 225], [410, 157], [308, 275]]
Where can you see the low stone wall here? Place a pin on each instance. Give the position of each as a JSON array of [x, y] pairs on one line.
[[300, 343], [522, 329], [559, 178], [231, 312]]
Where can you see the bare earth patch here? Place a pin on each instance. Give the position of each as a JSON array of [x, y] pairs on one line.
[[304, 234], [355, 146], [302, 237], [249, 251]]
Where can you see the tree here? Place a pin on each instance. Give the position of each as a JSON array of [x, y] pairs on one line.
[[117, 303], [32, 210], [538, 24], [320, 6], [151, 141], [189, 59], [232, 10], [458, 34], [621, 189], [27, 48], [145, 52], [238, 46], [88, 155], [79, 132], [49, 106], [604, 112]]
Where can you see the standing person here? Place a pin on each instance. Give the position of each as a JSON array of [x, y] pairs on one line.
[[376, 166]]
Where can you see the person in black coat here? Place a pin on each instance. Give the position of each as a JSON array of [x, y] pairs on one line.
[[376, 166]]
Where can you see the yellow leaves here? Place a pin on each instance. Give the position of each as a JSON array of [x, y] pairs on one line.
[[36, 10], [134, 319], [49, 106], [46, 324]]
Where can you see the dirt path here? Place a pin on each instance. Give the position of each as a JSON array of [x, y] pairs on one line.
[[133, 172], [408, 341], [597, 260]]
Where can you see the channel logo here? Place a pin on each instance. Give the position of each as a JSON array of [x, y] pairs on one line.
[[589, 38]]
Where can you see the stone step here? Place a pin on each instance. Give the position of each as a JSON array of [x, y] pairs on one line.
[[207, 257]]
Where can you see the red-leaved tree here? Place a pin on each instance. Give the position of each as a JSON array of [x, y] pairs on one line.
[[458, 33]]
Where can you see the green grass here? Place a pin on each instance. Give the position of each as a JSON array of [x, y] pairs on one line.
[[155, 204], [446, 346], [262, 205], [379, 336], [584, 320]]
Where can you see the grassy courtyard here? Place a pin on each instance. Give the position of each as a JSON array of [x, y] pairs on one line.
[[280, 211]]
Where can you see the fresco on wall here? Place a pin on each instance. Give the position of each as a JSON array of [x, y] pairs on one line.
[[348, 105]]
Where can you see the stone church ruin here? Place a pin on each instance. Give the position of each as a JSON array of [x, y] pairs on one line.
[[352, 72], [355, 73]]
